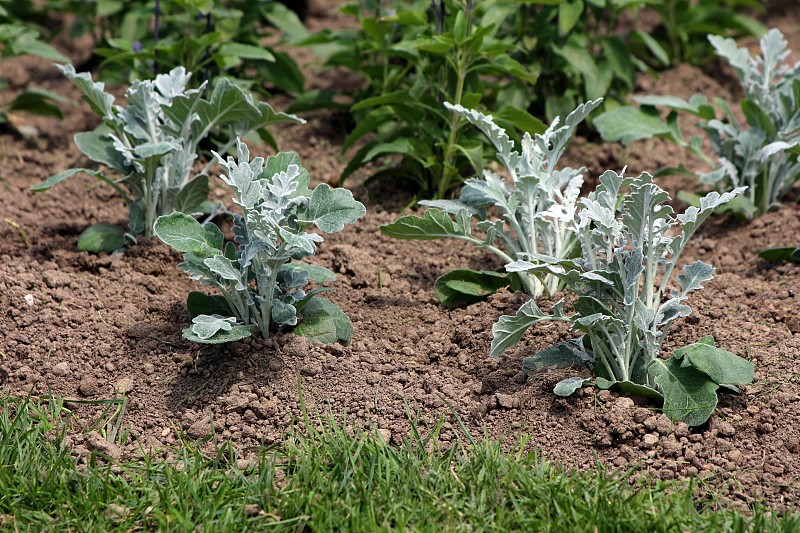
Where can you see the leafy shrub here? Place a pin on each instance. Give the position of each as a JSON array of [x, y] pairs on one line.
[[137, 39], [153, 143], [19, 38], [685, 24], [205, 37], [414, 59], [762, 155], [630, 244], [260, 284], [534, 209], [584, 50]]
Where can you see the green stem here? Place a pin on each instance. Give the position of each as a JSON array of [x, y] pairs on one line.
[[449, 170], [450, 150]]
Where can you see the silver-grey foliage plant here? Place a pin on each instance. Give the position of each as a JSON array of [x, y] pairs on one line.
[[535, 206], [761, 154], [260, 282], [153, 142], [630, 244]]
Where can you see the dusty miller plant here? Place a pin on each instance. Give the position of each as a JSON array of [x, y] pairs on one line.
[[153, 143], [535, 208], [761, 154], [630, 245], [260, 282]]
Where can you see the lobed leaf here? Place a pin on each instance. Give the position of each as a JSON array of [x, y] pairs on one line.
[[694, 275], [330, 209], [508, 330]]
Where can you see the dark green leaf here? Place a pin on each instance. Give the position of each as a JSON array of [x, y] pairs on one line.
[[628, 124], [192, 196], [435, 224], [562, 355], [520, 119], [101, 238], [465, 287], [629, 388], [200, 303], [246, 51], [324, 321], [316, 273], [35, 103], [569, 12], [782, 253]]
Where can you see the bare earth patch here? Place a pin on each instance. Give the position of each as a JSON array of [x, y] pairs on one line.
[[84, 326]]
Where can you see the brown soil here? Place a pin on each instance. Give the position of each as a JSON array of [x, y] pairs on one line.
[[82, 326]]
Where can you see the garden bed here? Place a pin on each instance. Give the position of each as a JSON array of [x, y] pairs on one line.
[[83, 326]]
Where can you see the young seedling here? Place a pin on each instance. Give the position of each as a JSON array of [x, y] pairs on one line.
[[630, 244], [534, 210], [260, 284], [153, 143], [761, 154]]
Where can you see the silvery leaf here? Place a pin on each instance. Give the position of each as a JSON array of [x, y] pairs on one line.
[[205, 326], [330, 209], [226, 269], [283, 313], [694, 275]]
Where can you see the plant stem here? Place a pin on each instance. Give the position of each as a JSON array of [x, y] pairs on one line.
[[156, 24], [448, 169]]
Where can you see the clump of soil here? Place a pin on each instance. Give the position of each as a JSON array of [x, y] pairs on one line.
[[95, 327]]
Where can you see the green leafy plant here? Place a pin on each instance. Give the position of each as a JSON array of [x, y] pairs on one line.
[[203, 36], [761, 154], [579, 50], [18, 38], [534, 209], [630, 246], [260, 284], [153, 144], [413, 60], [685, 24], [137, 39]]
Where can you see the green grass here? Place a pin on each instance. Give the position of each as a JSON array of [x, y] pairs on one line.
[[329, 481]]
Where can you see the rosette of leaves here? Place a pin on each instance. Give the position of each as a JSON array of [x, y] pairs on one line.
[[630, 245], [761, 154], [525, 216], [153, 144], [261, 281]]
